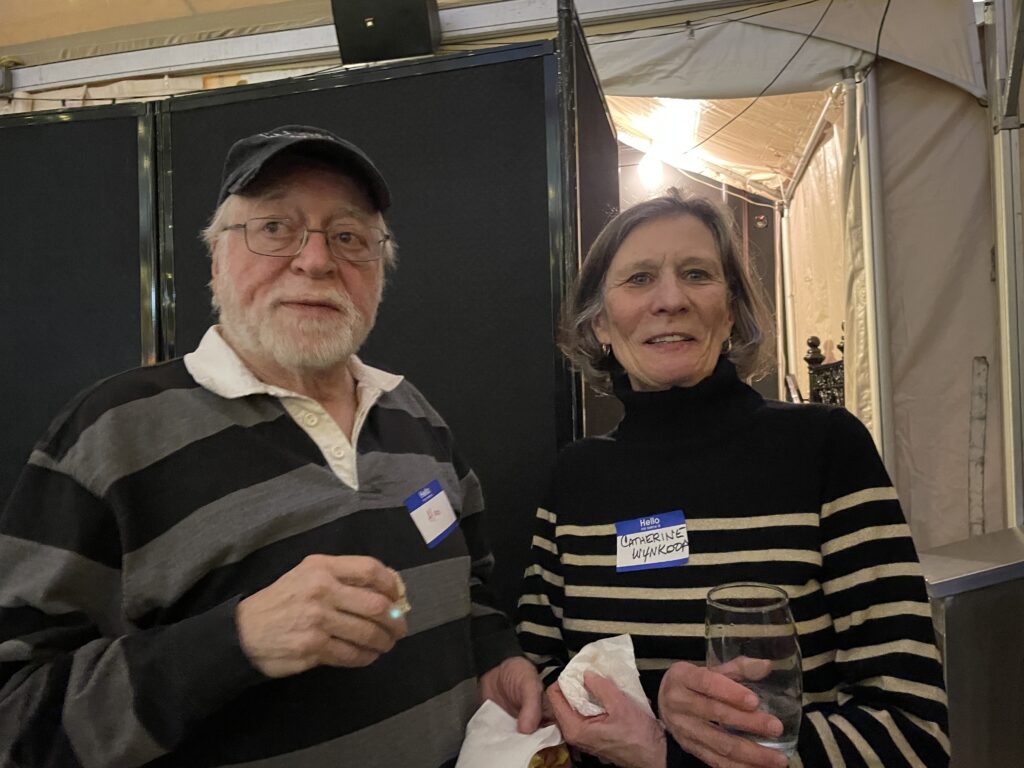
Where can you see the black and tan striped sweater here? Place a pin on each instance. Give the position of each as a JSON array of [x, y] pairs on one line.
[[792, 495], [151, 508]]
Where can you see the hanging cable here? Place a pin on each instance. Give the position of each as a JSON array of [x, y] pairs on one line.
[[764, 90]]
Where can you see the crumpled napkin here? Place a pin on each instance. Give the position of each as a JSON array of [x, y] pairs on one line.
[[611, 657], [492, 740]]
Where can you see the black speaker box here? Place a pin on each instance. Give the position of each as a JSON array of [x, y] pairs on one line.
[[374, 30]]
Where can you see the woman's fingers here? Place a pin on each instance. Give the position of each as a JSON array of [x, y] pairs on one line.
[[744, 668], [717, 747], [702, 693]]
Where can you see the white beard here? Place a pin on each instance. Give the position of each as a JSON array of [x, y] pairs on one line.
[[295, 343]]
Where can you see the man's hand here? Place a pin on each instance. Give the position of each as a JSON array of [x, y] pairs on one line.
[[625, 735], [515, 686], [325, 611], [694, 704]]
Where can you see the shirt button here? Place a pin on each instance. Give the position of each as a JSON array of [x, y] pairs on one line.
[[338, 451], [311, 419]]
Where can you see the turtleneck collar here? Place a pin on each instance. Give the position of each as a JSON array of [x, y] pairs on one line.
[[718, 404]]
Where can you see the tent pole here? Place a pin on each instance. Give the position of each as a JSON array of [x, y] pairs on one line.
[[874, 268], [788, 319], [812, 145], [782, 356], [1010, 270], [1009, 258]]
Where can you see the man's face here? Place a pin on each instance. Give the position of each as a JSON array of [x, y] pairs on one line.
[[307, 312]]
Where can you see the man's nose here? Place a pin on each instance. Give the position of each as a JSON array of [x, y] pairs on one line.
[[315, 255]]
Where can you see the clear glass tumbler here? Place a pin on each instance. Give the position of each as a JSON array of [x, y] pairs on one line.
[[751, 638]]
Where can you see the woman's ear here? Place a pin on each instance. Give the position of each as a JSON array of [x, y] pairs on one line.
[[600, 327]]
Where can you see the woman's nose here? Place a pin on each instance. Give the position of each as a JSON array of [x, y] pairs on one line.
[[669, 295]]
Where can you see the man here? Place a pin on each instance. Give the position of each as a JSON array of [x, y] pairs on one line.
[[205, 561]]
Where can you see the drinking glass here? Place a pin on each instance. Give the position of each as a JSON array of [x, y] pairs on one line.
[[751, 638]]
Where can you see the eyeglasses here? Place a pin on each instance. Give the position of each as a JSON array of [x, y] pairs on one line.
[[346, 240]]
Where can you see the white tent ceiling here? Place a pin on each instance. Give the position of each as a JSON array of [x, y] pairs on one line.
[[662, 50]]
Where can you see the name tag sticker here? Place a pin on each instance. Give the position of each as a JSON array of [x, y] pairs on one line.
[[432, 513], [658, 541]]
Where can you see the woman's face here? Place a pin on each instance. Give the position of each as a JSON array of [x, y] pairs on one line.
[[666, 305]]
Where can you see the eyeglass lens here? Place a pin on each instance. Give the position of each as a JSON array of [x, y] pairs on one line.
[[350, 239]]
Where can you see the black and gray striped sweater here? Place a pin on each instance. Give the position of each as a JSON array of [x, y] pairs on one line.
[[151, 509], [793, 495]]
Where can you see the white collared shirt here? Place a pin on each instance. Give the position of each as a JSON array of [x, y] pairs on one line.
[[215, 366]]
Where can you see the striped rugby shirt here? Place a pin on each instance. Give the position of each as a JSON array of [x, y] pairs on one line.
[[793, 495], [155, 504]]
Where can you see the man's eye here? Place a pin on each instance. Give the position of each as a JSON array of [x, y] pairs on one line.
[[348, 238], [275, 227]]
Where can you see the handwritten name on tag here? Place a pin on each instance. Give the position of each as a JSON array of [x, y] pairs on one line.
[[658, 541], [432, 512]]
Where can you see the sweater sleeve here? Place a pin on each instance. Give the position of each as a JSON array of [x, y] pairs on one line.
[[80, 686], [890, 705], [540, 602]]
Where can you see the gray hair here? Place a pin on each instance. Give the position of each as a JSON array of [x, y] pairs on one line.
[[752, 328]]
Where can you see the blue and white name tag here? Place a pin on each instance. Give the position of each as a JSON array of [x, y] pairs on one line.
[[658, 541], [432, 513]]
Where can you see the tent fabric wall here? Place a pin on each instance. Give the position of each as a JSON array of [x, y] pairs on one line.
[[817, 262], [858, 354], [941, 295], [939, 226]]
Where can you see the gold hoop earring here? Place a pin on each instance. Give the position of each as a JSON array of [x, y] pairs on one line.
[[728, 346]]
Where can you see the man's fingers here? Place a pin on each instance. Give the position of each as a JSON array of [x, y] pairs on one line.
[[529, 715], [360, 571], [363, 601], [339, 653], [365, 633]]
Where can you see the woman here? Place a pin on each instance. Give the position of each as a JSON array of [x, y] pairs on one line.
[[665, 315]]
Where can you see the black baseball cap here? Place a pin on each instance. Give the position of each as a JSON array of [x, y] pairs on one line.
[[248, 156]]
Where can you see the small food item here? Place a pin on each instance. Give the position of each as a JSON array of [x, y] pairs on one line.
[[401, 606], [551, 757]]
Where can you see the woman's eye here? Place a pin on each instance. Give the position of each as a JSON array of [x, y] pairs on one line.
[[640, 278], [697, 274]]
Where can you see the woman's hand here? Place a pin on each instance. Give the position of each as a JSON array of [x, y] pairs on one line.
[[695, 703], [625, 735]]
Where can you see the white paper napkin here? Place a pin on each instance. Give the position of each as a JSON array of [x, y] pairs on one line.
[[611, 657], [492, 740]]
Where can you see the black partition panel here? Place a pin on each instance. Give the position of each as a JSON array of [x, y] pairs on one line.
[[70, 308], [470, 147]]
